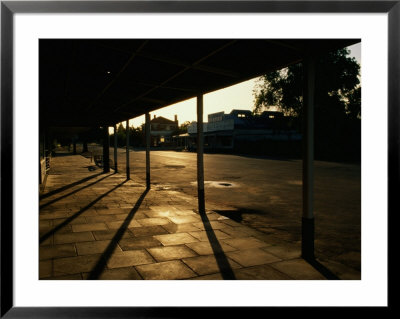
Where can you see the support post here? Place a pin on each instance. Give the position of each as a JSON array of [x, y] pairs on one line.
[[147, 129], [307, 242], [106, 150], [115, 149], [128, 173], [200, 151]]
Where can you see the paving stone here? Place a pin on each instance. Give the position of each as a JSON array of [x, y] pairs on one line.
[[251, 231], [214, 225], [127, 273], [262, 272], [245, 243], [171, 252], [154, 221], [236, 232], [118, 224], [341, 271], [215, 216], [88, 227], [181, 228], [60, 229], [140, 215], [148, 231], [118, 216], [73, 237], [45, 223], [351, 259], [298, 269], [252, 257], [186, 212], [110, 234], [113, 211], [284, 251], [100, 219], [94, 247], [73, 221], [184, 219], [45, 269], [204, 265], [54, 215], [186, 207], [47, 241], [56, 251], [90, 212], [160, 213], [205, 236], [175, 239], [74, 265], [162, 208], [129, 258], [138, 243], [205, 248], [168, 270]]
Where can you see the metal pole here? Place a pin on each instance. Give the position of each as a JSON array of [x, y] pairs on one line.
[[128, 173], [307, 243], [106, 151], [115, 149], [147, 129], [200, 150]]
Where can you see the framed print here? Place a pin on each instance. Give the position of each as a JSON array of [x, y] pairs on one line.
[[163, 46]]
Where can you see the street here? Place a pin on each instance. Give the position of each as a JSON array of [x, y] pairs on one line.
[[266, 194]]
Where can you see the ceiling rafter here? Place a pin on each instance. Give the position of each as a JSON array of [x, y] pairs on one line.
[[285, 45], [134, 54], [167, 87], [177, 74], [173, 61], [199, 67]]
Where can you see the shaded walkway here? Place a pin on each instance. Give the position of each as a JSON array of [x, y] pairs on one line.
[[100, 226]]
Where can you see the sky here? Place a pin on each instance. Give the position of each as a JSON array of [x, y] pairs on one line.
[[239, 96]]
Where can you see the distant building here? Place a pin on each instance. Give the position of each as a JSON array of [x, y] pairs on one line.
[[242, 131], [162, 129]]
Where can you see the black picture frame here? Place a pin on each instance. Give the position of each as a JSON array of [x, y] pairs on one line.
[[9, 8]]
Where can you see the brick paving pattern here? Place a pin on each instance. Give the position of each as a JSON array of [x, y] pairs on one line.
[[101, 226]]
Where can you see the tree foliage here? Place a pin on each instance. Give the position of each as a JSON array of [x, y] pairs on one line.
[[337, 87], [182, 129], [337, 102], [136, 136]]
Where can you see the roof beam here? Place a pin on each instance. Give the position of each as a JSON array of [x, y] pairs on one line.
[[178, 73], [286, 45], [167, 87], [188, 65], [159, 58], [134, 54]]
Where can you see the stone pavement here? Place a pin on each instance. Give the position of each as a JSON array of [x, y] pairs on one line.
[[101, 226]]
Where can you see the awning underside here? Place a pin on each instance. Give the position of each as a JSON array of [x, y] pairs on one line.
[[103, 82]]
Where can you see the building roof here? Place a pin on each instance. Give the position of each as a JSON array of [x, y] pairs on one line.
[[96, 82], [161, 120]]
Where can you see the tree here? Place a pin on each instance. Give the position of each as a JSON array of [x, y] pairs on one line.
[[337, 80], [337, 101], [182, 128]]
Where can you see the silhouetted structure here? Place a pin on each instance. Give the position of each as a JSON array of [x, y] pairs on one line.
[[268, 133]]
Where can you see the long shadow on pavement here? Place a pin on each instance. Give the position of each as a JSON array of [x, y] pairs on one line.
[[322, 269], [61, 189], [71, 218], [101, 264], [73, 192], [222, 260]]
